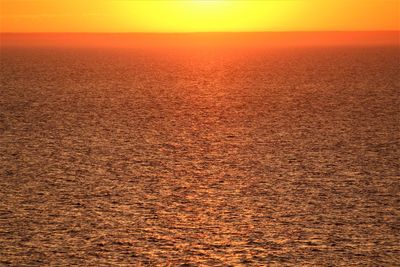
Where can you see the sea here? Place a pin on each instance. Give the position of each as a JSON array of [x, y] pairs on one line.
[[275, 156]]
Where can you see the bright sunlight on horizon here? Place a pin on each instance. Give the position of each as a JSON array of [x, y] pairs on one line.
[[198, 16]]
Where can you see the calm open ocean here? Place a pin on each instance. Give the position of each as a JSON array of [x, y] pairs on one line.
[[203, 157]]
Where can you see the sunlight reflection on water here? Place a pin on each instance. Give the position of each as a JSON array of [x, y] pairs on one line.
[[204, 158]]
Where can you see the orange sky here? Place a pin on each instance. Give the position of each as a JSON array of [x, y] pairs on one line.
[[198, 16]]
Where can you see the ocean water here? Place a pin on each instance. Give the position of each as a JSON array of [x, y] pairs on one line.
[[203, 157]]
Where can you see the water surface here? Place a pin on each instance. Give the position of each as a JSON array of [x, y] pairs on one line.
[[200, 157]]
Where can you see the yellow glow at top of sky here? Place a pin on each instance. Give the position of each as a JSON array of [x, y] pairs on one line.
[[197, 16]]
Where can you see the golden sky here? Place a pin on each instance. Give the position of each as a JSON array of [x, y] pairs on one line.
[[198, 16]]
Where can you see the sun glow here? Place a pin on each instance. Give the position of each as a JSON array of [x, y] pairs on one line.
[[198, 15]]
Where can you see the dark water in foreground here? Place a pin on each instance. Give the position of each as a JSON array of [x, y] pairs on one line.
[[278, 157]]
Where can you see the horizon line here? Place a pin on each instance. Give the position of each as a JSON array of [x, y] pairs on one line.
[[208, 32], [181, 39]]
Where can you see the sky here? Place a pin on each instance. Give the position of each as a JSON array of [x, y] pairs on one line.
[[198, 16]]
